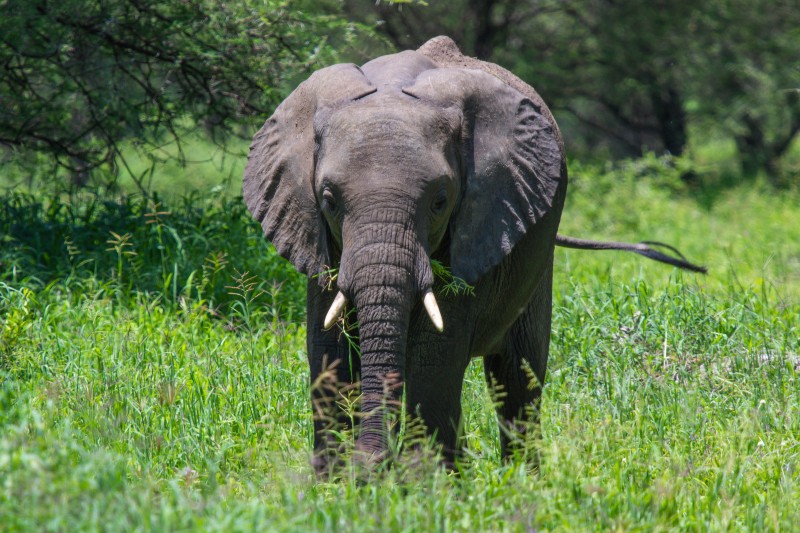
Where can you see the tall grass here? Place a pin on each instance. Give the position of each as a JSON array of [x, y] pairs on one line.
[[191, 250], [153, 376]]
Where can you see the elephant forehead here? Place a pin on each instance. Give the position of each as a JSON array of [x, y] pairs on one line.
[[386, 131], [392, 111]]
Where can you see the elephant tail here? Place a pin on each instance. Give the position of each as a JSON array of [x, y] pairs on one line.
[[642, 248]]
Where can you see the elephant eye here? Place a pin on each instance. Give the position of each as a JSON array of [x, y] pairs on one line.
[[439, 203], [329, 204]]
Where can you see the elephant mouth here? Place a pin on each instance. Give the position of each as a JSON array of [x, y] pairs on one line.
[[428, 301]]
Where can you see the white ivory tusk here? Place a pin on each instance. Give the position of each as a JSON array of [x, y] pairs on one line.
[[433, 310], [335, 311]]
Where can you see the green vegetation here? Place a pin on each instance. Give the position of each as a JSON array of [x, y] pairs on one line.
[[447, 282], [153, 374]]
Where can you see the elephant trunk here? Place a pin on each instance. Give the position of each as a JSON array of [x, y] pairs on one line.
[[384, 271], [383, 315]]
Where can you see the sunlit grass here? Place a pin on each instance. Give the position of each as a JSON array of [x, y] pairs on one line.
[[167, 388], [199, 166]]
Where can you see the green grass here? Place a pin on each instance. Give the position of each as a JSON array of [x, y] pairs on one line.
[[156, 380]]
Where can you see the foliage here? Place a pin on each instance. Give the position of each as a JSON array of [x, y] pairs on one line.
[[81, 76], [615, 68], [672, 401], [478, 26], [747, 83]]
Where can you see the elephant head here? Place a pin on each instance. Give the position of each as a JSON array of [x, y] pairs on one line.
[[379, 169]]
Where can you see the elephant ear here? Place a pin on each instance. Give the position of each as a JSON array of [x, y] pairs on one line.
[[278, 183], [513, 165]]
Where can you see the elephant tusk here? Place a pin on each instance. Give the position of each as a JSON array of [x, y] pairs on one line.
[[433, 310], [335, 311]]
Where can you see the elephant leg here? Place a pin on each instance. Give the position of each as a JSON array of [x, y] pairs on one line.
[[334, 368], [516, 373], [433, 396]]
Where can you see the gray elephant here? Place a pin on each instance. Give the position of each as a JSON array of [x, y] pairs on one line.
[[418, 156]]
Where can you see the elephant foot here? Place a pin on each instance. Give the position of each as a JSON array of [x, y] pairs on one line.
[[368, 461], [362, 462]]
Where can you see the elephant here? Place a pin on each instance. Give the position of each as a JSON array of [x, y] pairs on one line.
[[376, 171]]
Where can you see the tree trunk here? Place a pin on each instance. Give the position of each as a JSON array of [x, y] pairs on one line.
[[671, 117], [755, 153]]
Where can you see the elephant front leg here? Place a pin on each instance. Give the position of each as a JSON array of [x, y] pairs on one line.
[[435, 373], [515, 375], [334, 369], [434, 398]]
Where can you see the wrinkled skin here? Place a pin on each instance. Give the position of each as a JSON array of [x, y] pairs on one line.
[[416, 156]]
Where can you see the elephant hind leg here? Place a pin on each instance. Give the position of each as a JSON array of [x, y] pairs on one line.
[[515, 375]]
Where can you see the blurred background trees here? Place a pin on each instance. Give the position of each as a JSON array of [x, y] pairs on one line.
[[85, 81]]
